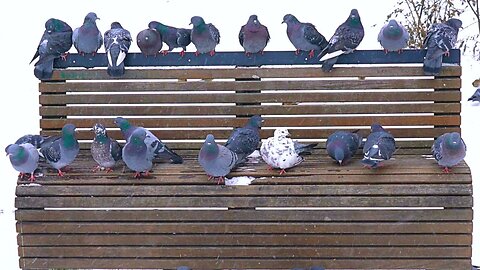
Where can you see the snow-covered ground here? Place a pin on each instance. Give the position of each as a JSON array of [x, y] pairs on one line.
[[23, 24]]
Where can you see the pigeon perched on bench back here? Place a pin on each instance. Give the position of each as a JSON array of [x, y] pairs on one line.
[[342, 145], [345, 40], [282, 152], [205, 36], [244, 140], [87, 38], [448, 150], [117, 43], [172, 36], [304, 36], [60, 151], [393, 37], [105, 151], [441, 38], [380, 146], [216, 160], [253, 36], [149, 42], [154, 144], [24, 159], [136, 155], [475, 96], [55, 42]]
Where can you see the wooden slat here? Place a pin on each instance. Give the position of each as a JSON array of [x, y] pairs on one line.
[[383, 263], [220, 227], [351, 84]]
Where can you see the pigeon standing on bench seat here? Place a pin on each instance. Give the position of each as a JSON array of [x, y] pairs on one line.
[[380, 146], [61, 151], [55, 42], [172, 36], [149, 42], [345, 40], [441, 38], [448, 150], [475, 96], [87, 38], [154, 144], [105, 151], [253, 36], [136, 154], [216, 160], [205, 36], [393, 37], [282, 152], [24, 159], [342, 146], [117, 43], [244, 140], [304, 36]]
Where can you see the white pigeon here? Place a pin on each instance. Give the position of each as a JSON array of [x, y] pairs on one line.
[[282, 152]]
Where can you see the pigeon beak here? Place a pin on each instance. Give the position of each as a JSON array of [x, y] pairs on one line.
[[190, 23], [283, 21], [340, 162], [49, 31]]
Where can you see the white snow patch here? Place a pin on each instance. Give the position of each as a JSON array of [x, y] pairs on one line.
[[239, 181]]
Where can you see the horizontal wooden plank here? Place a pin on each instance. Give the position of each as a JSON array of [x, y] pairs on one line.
[[244, 202], [244, 240], [219, 227], [215, 263], [242, 252], [437, 120], [247, 86], [236, 191], [337, 215]]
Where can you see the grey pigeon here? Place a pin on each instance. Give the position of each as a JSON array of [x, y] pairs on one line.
[[441, 38], [105, 151], [304, 36], [345, 40], [253, 36], [172, 36], [117, 43], [244, 140], [136, 155], [282, 152], [33, 139], [154, 144], [149, 42], [342, 146], [60, 151], [393, 37], [380, 146], [55, 42], [24, 159], [205, 36], [87, 38], [475, 96], [448, 150], [216, 160]]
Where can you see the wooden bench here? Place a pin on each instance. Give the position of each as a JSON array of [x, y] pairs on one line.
[[406, 215]]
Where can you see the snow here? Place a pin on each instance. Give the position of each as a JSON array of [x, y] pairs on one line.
[[23, 26]]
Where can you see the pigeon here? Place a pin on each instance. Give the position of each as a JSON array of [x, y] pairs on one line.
[[216, 160], [55, 42], [380, 146], [342, 145], [117, 43], [60, 151], [105, 151], [345, 40], [441, 38], [87, 38], [475, 96], [173, 37], [448, 150], [282, 152], [24, 159], [393, 37], [205, 36], [149, 42], [136, 154], [155, 145], [253, 36], [33, 139], [304, 36], [244, 140]]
